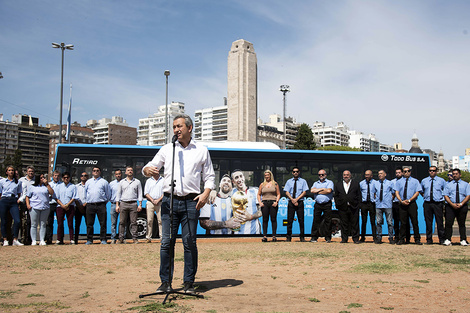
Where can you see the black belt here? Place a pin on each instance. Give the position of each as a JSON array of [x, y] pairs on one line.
[[96, 203], [134, 201], [367, 202], [10, 196], [189, 196], [437, 202], [323, 203]]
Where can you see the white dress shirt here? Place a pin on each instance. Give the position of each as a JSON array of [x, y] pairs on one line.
[[190, 163]]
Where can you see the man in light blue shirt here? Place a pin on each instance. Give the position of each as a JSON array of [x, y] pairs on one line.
[[80, 211], [66, 196], [295, 189], [54, 183], [368, 205], [457, 195], [113, 187], [383, 205], [322, 191], [433, 207], [407, 191], [97, 195]]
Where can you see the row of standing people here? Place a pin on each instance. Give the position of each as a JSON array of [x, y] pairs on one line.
[[31, 202], [396, 199]]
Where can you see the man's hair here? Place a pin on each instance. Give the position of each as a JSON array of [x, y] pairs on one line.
[[456, 169], [30, 168], [399, 169], [56, 172], [96, 167], [117, 170], [66, 174], [433, 166], [187, 119], [236, 170], [129, 166], [382, 171], [225, 175], [295, 167]]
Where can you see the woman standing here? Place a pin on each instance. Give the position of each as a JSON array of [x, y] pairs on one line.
[[269, 193], [10, 191], [37, 202]]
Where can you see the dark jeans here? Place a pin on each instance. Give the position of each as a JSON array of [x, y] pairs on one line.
[[318, 209], [25, 224], [92, 210], [368, 208], [434, 210], [184, 213], [269, 211], [78, 222], [291, 210], [461, 215], [349, 223], [61, 213], [407, 213], [9, 204], [50, 222]]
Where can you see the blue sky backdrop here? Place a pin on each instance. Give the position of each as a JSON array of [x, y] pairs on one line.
[[390, 68]]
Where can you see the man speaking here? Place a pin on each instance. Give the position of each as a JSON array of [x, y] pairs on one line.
[[192, 163]]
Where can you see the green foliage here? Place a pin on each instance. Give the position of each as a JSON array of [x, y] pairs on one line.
[[15, 161], [465, 175], [304, 139], [338, 148]]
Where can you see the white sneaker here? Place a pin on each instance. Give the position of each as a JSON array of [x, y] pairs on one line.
[[42, 243], [5, 243], [447, 242], [72, 242], [33, 243], [57, 242], [463, 243], [17, 243]]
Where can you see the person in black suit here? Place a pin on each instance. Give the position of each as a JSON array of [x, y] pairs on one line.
[[347, 199]]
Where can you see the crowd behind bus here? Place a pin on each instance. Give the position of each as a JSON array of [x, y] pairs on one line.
[[29, 205]]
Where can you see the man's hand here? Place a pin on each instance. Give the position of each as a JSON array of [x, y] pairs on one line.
[[201, 200], [232, 223], [151, 171], [243, 215], [212, 196], [406, 202], [117, 209], [139, 208]]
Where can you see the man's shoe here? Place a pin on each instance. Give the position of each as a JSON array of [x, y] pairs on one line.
[[328, 240], [357, 242], [264, 239], [313, 240], [104, 242], [135, 241], [392, 241], [148, 241], [288, 239], [72, 242], [113, 242], [49, 241], [363, 239], [447, 242], [164, 288], [189, 288], [274, 239], [89, 243], [418, 242], [17, 243], [428, 242], [302, 239], [343, 241], [400, 242], [463, 243]]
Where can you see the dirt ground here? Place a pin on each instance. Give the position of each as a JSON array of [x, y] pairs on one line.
[[239, 275]]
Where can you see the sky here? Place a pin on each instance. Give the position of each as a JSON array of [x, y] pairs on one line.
[[391, 68]]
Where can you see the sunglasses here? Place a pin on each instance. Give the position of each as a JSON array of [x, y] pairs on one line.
[[295, 171], [84, 175], [433, 170], [321, 174], [406, 171], [65, 177]]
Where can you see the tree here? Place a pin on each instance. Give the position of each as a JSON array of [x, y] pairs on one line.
[[304, 139], [17, 163], [339, 148]]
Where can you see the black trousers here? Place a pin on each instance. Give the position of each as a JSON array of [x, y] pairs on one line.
[[461, 215], [318, 210], [291, 210], [78, 222], [368, 208], [25, 224], [407, 213], [92, 210], [349, 223], [396, 222], [434, 210], [50, 223], [269, 211]]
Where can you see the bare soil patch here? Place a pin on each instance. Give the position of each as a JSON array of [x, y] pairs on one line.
[[239, 275]]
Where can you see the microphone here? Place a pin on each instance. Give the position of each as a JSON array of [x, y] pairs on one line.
[[174, 139]]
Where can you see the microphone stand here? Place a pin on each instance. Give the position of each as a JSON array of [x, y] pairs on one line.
[[172, 247]]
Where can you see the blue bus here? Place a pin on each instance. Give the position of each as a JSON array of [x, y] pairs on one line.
[[78, 158]]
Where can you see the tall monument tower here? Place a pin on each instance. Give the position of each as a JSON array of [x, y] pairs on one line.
[[242, 92]]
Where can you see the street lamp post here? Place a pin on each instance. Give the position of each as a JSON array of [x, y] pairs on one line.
[[166, 73], [284, 89], [61, 46]]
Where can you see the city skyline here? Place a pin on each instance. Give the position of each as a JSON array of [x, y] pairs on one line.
[[388, 68]]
